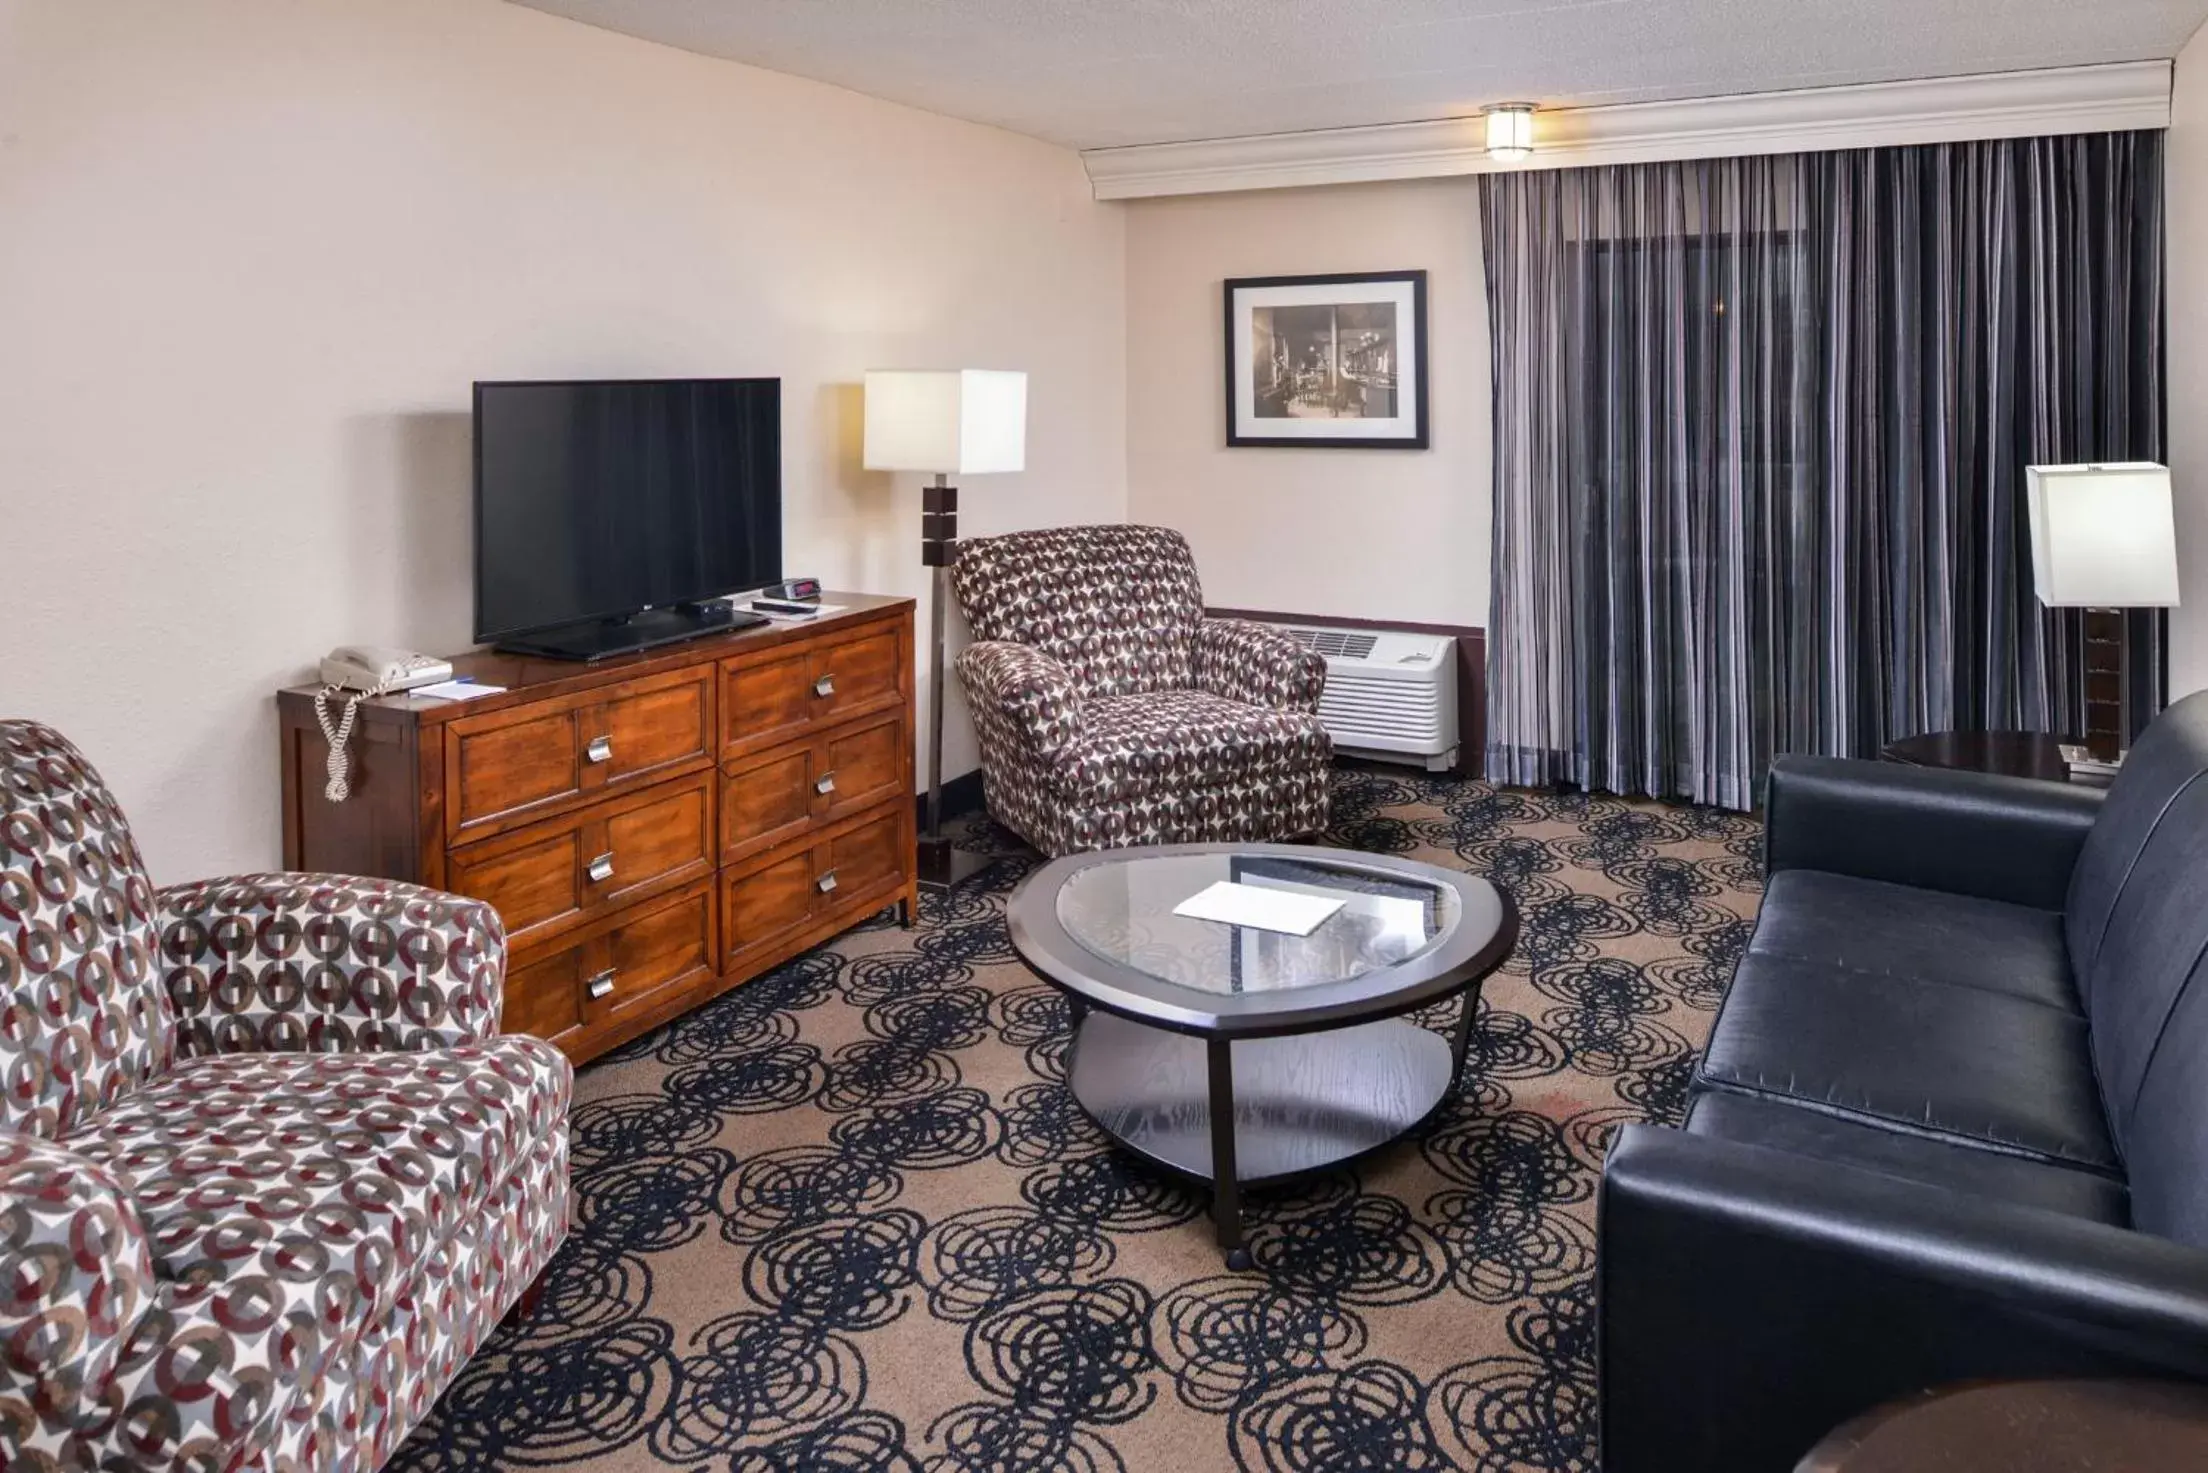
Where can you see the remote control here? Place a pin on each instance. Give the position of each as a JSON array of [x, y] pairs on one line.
[[785, 606]]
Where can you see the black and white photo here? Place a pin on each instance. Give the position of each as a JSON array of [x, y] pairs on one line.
[[1337, 361]]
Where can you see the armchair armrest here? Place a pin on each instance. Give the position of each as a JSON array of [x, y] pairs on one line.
[[1258, 665], [1967, 833], [1020, 695], [76, 1280], [302, 963], [1750, 1299]]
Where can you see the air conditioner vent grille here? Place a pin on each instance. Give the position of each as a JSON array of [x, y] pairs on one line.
[[1338, 642]]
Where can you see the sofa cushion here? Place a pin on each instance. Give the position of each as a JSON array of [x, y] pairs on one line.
[[2157, 932], [1758, 1121], [2169, 758], [1960, 1063], [1900, 931], [323, 1175], [2166, 1146], [1133, 747]]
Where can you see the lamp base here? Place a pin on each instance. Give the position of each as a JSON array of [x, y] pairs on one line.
[[944, 867]]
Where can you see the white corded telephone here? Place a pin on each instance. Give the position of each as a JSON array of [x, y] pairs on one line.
[[365, 670]]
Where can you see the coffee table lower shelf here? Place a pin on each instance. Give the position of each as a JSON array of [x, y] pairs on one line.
[[1292, 1104]]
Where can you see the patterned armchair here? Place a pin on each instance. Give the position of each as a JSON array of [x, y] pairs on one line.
[[1112, 712], [267, 1173]]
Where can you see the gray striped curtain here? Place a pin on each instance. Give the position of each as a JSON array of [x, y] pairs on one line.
[[1760, 435]]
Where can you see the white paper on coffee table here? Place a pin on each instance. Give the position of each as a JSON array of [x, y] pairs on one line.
[[1284, 911]]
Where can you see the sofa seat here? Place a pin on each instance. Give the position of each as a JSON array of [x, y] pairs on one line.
[[335, 1171], [1173, 741], [1902, 931], [1753, 1120], [1959, 1063]]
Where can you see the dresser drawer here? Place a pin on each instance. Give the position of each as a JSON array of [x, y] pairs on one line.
[[779, 695], [560, 872], [507, 768], [776, 901], [661, 947], [774, 797], [586, 983]]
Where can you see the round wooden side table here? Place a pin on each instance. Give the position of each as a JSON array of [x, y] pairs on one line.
[[2025, 1427], [2011, 753]]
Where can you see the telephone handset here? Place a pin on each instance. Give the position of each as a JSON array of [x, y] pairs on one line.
[[365, 670]]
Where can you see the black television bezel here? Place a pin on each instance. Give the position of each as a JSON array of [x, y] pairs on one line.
[[475, 511]]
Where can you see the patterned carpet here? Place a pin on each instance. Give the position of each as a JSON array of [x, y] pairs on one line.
[[848, 1217]]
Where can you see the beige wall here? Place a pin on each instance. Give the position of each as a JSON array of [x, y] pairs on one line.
[[1384, 534], [252, 253], [2188, 362]]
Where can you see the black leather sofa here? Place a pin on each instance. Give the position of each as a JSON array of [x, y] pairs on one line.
[[1952, 1122]]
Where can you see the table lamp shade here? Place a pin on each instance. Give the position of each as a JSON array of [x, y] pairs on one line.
[[961, 421], [2103, 536]]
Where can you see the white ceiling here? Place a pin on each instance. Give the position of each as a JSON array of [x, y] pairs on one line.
[[1098, 73]]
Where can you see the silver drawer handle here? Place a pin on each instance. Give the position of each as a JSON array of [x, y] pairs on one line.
[[825, 686], [600, 869], [827, 783], [601, 984], [826, 882], [600, 749]]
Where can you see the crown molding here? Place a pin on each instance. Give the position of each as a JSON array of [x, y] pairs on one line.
[[2086, 99]]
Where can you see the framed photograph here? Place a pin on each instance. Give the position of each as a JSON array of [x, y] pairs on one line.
[[1336, 361]]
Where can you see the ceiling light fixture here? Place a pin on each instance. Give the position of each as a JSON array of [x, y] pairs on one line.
[[1510, 132]]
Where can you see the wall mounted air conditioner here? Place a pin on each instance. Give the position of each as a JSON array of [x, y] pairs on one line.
[[1389, 696]]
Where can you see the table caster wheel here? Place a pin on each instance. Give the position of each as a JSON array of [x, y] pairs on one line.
[[1239, 1260]]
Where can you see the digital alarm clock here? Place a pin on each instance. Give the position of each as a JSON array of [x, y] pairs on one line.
[[803, 590]]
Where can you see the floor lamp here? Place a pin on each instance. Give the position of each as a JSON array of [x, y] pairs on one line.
[[2104, 539], [962, 422]]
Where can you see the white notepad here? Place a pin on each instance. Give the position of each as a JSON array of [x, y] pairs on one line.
[[456, 690], [1265, 909]]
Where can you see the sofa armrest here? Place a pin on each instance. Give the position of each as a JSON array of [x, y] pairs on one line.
[[1258, 665], [1021, 694], [76, 1280], [1750, 1300], [304, 963], [1967, 833]]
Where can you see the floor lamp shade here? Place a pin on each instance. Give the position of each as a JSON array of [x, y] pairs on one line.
[[2103, 536], [959, 421]]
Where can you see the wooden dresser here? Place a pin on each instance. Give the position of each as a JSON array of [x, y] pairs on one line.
[[654, 828]]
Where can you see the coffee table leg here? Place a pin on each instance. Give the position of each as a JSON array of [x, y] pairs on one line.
[[1226, 1191]]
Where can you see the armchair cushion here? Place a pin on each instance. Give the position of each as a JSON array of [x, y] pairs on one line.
[[1116, 605], [76, 1279], [1133, 747], [355, 1163], [1258, 665], [297, 1200], [1027, 698], [288, 963], [82, 1015]]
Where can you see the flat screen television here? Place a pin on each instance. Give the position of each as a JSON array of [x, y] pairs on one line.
[[608, 512]]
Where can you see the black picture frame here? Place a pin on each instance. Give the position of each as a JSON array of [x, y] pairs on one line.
[[1239, 297]]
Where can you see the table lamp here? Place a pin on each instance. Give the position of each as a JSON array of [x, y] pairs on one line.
[[966, 421], [2104, 539]]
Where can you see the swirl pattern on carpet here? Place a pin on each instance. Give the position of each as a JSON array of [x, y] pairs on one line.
[[848, 1217]]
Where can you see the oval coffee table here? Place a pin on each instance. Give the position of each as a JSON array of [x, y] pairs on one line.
[[1236, 1055]]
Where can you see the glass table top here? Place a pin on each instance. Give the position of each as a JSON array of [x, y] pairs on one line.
[[1122, 912]]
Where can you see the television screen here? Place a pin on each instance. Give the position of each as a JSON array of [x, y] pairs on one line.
[[597, 500]]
